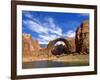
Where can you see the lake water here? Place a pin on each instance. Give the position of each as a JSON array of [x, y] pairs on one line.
[[47, 64]]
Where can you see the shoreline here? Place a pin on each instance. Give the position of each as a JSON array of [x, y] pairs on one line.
[[66, 58]]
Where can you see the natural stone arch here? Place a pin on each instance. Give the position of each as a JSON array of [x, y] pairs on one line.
[[53, 49], [59, 42]]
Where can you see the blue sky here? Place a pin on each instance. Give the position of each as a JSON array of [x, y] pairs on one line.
[[46, 26]]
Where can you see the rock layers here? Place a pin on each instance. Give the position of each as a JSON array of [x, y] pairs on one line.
[[82, 38], [29, 45]]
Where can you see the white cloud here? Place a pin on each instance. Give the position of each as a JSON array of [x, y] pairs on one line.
[[42, 41], [47, 30], [47, 38], [34, 26], [57, 31], [53, 28], [70, 33], [37, 26], [28, 14]]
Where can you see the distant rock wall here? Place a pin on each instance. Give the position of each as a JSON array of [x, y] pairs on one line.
[[82, 38], [29, 45]]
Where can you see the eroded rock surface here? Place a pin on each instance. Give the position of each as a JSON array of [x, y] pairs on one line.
[[82, 38], [29, 45]]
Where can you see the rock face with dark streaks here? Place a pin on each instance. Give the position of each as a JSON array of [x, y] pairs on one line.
[[82, 38]]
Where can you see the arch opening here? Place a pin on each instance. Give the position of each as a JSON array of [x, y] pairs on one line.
[[59, 46]]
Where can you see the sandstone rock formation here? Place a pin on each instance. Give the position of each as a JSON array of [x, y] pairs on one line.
[[54, 49], [82, 38], [59, 49], [29, 45], [72, 44]]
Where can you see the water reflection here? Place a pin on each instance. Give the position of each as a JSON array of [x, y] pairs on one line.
[[46, 64]]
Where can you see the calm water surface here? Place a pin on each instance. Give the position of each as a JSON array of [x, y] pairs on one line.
[[46, 64]]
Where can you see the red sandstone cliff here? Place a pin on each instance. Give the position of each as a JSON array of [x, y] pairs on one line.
[[29, 45], [82, 38]]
